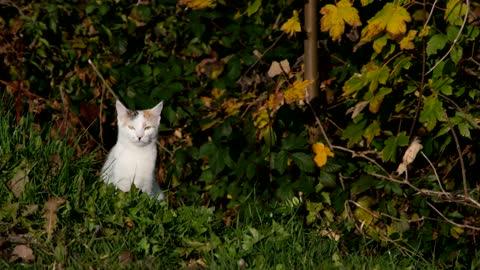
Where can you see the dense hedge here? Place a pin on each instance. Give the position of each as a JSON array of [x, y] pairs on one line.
[[389, 73]]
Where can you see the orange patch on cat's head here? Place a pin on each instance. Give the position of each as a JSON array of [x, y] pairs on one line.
[[128, 117], [149, 115]]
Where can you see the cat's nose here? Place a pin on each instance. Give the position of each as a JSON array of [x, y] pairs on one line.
[[139, 137]]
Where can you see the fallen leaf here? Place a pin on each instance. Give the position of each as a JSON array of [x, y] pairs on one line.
[[24, 252], [50, 214], [20, 178]]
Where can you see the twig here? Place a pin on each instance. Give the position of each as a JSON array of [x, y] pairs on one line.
[[455, 40], [261, 56], [422, 79], [460, 156], [324, 134], [430, 14], [355, 154], [463, 226], [103, 80], [434, 170]]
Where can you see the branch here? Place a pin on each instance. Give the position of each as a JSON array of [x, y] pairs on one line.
[[103, 80], [455, 40], [463, 226]]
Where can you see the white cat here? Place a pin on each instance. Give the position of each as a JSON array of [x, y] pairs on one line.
[[133, 158]]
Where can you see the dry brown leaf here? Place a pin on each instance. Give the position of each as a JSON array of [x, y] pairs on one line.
[[409, 156], [20, 178], [24, 252], [278, 68], [50, 214]]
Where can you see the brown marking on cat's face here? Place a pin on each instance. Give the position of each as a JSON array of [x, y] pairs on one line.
[[129, 117], [149, 116]]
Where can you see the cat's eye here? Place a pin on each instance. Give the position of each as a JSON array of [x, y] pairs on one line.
[[147, 127], [131, 127]]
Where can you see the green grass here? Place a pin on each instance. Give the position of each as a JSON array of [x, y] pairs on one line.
[[99, 228]]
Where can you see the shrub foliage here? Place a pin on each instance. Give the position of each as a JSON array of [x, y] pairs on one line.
[[394, 77]]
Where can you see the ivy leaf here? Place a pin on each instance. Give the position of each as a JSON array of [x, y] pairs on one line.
[[455, 12], [389, 152], [292, 25], [392, 18], [335, 16], [436, 42], [304, 162], [432, 112]]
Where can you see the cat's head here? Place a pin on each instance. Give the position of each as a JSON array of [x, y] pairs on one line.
[[138, 127]]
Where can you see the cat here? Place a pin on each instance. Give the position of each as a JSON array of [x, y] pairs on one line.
[[133, 158]]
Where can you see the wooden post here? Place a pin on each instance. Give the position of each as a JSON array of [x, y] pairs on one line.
[[310, 47]]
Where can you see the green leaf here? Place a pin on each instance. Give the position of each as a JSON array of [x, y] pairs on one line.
[[354, 84], [372, 131], [362, 184], [253, 7], [293, 142], [389, 152], [455, 12], [379, 43], [354, 132], [452, 32], [279, 161], [436, 42], [456, 54], [304, 162], [375, 99], [432, 112]]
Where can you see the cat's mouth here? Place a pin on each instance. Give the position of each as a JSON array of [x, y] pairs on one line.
[[141, 142]]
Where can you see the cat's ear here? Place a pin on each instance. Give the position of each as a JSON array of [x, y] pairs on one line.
[[157, 110], [121, 110]]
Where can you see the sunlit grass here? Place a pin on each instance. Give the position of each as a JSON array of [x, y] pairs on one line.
[[99, 228]]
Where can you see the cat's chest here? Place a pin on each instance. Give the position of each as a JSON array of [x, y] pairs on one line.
[[134, 158]]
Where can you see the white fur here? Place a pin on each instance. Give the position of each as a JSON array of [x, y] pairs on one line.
[[133, 158]]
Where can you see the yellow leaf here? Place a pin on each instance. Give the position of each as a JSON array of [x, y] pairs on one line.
[[407, 41], [321, 153], [392, 19], [455, 12], [335, 16], [292, 25], [198, 4], [217, 93], [297, 91], [379, 43]]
